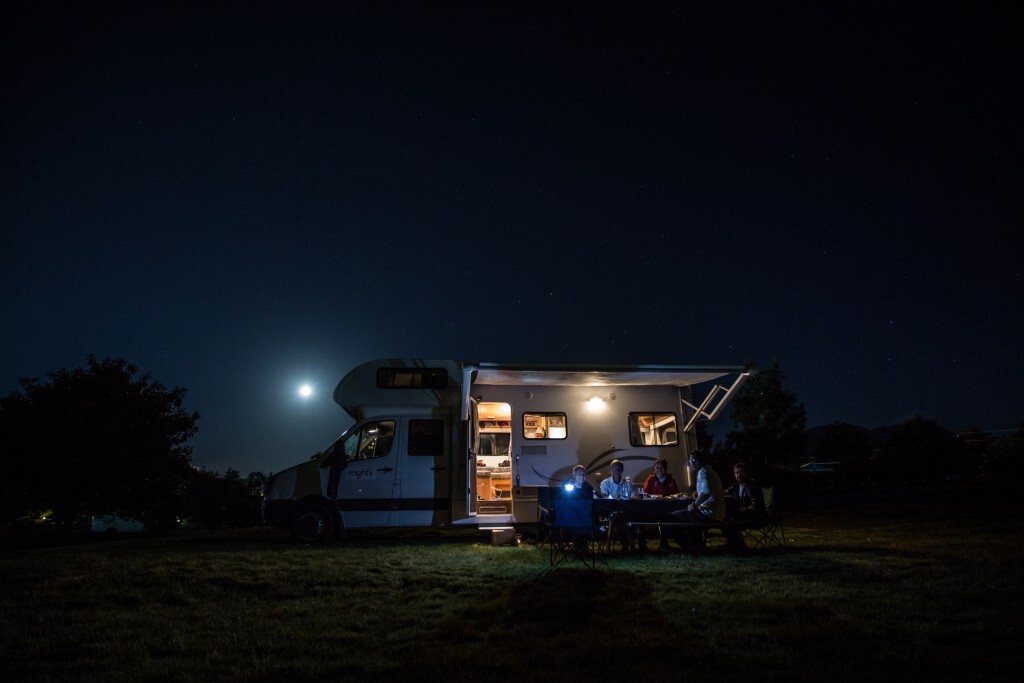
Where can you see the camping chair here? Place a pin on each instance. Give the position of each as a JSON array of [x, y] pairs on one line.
[[573, 533], [769, 532], [545, 512]]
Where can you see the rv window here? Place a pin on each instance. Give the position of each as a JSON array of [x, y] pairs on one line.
[[372, 440], [494, 444], [544, 426], [653, 429], [426, 437], [412, 378]]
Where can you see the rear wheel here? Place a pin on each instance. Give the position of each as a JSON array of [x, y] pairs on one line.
[[313, 524]]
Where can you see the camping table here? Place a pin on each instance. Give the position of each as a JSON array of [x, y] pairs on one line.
[[640, 512]]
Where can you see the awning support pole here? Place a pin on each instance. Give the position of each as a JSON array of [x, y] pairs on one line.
[[702, 412]]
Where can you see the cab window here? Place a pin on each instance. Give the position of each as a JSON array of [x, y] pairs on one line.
[[372, 440]]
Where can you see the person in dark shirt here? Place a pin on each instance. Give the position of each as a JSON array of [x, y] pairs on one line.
[[577, 484], [747, 504], [570, 513], [747, 494]]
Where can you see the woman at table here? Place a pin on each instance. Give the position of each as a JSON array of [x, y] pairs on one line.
[[660, 482]]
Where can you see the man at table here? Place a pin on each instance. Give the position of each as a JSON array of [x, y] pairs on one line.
[[616, 486], [577, 484], [748, 495], [709, 504], [660, 482]]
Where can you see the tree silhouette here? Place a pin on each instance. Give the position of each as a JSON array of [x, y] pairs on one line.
[[1004, 457], [217, 500], [849, 445], [771, 423], [99, 438], [919, 449]]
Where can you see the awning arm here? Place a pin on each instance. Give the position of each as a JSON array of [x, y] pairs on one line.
[[717, 389]]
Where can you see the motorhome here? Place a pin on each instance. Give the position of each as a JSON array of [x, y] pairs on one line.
[[452, 443]]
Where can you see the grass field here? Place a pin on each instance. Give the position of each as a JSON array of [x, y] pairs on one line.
[[914, 584]]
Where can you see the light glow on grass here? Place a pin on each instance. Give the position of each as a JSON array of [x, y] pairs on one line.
[[926, 590]]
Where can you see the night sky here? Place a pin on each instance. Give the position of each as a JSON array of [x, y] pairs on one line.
[[238, 198]]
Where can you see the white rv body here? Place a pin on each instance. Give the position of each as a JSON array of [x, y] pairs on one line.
[[439, 443]]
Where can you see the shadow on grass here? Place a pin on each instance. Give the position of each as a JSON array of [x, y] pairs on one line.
[[563, 625]]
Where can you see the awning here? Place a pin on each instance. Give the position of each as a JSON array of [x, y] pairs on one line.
[[598, 375], [521, 374]]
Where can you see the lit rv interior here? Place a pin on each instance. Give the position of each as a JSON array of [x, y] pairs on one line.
[[494, 462]]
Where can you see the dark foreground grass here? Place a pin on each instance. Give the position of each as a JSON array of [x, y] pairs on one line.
[[909, 587]]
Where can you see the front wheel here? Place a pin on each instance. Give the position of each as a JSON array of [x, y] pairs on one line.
[[313, 524]]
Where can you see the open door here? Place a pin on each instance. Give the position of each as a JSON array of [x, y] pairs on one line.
[[494, 458], [472, 449]]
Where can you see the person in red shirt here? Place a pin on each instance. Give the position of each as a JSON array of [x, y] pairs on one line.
[[660, 482]]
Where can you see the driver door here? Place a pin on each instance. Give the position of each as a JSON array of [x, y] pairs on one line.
[[368, 486]]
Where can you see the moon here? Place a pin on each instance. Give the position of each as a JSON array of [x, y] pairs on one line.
[[306, 390]]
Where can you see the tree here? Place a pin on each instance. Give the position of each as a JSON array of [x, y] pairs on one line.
[[976, 445], [771, 423], [704, 438], [216, 500], [1004, 461], [100, 438], [919, 449], [847, 444]]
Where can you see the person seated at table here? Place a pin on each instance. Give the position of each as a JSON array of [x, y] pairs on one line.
[[747, 493], [577, 485], [660, 482], [709, 503], [616, 486], [746, 503]]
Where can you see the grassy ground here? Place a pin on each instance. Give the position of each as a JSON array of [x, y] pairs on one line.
[[909, 585]]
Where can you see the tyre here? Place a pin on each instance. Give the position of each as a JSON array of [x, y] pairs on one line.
[[313, 524]]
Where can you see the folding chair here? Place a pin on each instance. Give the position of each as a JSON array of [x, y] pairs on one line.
[[573, 533], [545, 513], [770, 531]]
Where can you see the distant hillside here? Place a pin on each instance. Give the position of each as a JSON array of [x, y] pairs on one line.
[[876, 436]]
